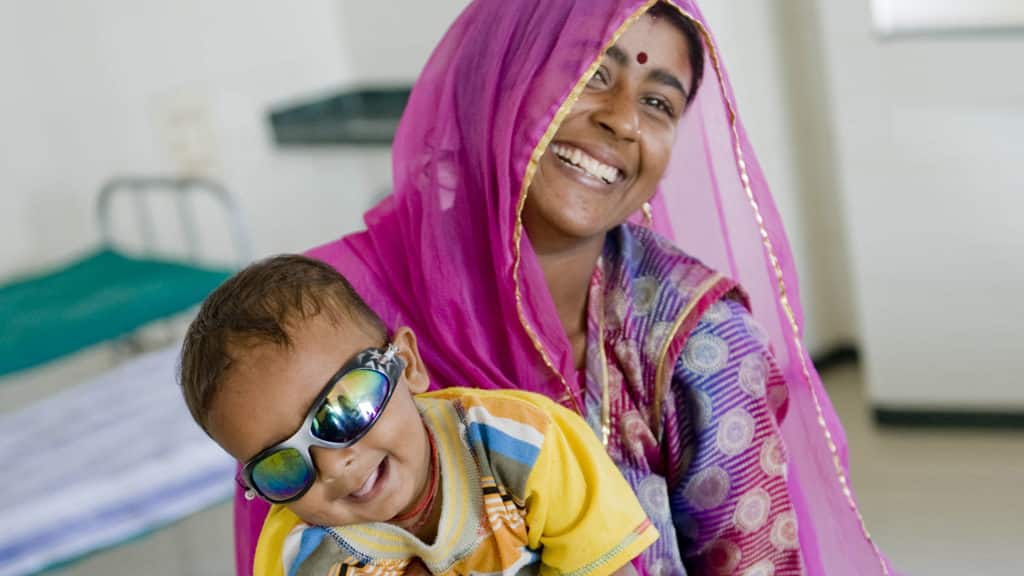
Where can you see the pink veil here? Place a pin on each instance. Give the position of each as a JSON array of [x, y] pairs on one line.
[[446, 253]]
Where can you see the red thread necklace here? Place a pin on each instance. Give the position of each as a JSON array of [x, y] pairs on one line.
[[422, 508]]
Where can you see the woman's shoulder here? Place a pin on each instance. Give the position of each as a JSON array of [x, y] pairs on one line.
[[645, 243], [728, 313], [642, 254]]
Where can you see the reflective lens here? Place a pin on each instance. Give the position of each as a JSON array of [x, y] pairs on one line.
[[282, 475], [351, 407]]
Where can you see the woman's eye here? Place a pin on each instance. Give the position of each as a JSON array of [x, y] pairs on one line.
[[599, 79], [660, 104]]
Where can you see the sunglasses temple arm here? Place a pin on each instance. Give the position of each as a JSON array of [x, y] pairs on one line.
[[250, 494]]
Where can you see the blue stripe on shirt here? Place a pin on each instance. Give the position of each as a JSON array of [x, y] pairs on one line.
[[495, 440], [311, 538]]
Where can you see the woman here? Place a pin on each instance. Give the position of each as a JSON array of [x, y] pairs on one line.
[[537, 129]]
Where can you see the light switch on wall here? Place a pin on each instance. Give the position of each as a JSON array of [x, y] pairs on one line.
[[184, 126]]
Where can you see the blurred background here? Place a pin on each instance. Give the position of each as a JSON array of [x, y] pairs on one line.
[[888, 129]]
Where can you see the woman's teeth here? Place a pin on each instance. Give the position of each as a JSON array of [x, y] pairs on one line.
[[586, 163]]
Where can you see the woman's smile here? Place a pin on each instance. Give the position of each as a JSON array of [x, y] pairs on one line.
[[581, 161]]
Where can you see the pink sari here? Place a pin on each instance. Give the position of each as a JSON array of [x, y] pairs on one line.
[[447, 255]]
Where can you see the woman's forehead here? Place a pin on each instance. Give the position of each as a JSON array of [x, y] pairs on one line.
[[658, 48], [655, 36]]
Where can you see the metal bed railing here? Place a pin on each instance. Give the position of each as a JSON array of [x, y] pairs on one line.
[[141, 189]]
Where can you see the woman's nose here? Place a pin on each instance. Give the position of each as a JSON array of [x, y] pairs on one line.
[[619, 116], [332, 463]]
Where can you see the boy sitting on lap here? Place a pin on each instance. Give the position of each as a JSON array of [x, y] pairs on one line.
[[292, 374]]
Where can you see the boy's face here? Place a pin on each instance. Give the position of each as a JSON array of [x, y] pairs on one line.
[[268, 391]]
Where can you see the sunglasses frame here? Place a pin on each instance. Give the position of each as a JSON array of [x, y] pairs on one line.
[[382, 360]]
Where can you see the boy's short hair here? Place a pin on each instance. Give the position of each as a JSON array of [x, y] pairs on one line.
[[260, 305]]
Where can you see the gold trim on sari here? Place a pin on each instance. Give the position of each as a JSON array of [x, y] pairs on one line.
[[531, 169], [660, 378], [783, 294]]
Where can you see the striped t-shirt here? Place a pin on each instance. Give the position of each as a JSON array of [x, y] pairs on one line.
[[527, 488]]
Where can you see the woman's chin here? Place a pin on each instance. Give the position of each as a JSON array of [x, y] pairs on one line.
[[576, 208]]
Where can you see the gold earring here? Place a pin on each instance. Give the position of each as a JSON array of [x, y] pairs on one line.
[[648, 214]]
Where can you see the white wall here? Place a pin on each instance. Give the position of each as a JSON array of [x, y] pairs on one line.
[[23, 152], [928, 135], [389, 42], [92, 89]]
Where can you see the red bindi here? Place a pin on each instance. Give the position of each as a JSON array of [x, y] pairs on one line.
[[641, 57]]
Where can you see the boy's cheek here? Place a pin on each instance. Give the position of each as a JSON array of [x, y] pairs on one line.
[[313, 510]]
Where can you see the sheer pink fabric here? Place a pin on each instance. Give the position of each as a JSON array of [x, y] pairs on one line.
[[445, 254]]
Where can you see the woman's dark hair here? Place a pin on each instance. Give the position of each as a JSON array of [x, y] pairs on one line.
[[694, 40]]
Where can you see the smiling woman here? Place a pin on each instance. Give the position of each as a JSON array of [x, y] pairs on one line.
[[609, 154], [612, 148], [533, 138]]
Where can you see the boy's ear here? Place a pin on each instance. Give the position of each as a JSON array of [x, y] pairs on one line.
[[415, 373]]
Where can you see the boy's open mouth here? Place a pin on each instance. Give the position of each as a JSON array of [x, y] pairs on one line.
[[372, 482]]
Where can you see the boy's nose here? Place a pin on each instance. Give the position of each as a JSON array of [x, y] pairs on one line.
[[332, 464]]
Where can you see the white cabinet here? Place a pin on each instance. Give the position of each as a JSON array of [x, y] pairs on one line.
[[928, 137]]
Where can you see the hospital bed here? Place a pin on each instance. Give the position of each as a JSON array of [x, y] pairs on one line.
[[103, 463], [109, 293], [107, 460]]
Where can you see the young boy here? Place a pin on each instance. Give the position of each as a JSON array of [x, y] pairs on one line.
[[366, 478]]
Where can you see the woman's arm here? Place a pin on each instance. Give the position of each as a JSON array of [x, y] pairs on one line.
[[732, 506]]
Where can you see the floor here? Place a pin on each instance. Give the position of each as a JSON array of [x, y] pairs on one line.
[[937, 502]]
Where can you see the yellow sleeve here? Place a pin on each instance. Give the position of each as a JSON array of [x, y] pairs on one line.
[[279, 523], [580, 509]]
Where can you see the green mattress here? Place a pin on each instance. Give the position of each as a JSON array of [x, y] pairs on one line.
[[97, 298]]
